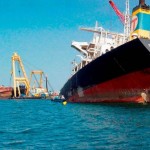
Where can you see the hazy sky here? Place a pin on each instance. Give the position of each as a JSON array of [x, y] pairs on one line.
[[41, 32]]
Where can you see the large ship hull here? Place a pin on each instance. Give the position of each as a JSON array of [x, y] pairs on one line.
[[121, 75]]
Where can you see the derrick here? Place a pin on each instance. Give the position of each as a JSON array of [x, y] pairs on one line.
[[19, 80]]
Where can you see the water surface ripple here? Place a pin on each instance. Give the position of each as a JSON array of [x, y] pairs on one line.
[[42, 124]]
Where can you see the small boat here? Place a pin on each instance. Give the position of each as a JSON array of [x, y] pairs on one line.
[[56, 97]]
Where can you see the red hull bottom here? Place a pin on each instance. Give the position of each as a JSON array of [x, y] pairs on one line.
[[130, 88]]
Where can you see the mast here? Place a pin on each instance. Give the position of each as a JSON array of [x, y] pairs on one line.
[[46, 84], [127, 22]]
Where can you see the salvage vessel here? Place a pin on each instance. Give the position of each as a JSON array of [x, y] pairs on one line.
[[114, 67]]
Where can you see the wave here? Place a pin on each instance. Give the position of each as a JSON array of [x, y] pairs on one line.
[[27, 130], [14, 142]]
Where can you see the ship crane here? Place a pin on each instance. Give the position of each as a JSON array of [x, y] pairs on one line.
[[119, 14], [124, 18]]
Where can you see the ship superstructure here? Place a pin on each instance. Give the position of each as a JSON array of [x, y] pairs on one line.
[[103, 42]]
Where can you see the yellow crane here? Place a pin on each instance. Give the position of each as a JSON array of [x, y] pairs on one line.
[[37, 72], [17, 81], [38, 89]]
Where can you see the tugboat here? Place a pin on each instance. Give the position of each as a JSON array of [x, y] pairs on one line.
[[114, 67]]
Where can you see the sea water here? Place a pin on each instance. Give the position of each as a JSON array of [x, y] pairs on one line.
[[47, 125]]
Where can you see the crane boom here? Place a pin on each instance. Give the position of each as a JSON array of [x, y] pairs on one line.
[[119, 14]]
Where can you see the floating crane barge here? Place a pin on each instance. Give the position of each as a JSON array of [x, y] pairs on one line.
[[22, 86]]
